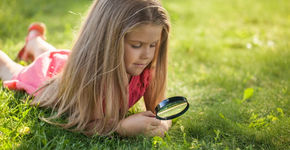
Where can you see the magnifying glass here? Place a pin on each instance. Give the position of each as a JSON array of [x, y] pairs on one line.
[[171, 108]]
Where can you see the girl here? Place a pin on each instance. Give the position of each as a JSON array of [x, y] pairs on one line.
[[119, 56]]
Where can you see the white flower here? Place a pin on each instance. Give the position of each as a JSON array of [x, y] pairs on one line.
[[270, 43], [249, 45], [256, 40]]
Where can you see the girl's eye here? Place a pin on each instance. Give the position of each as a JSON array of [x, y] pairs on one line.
[[136, 46], [153, 45]]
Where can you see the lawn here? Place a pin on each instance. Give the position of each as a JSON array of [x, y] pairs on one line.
[[230, 58]]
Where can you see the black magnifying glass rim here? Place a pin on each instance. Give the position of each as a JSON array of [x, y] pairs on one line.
[[169, 100]]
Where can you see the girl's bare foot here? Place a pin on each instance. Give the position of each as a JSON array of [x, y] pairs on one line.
[[36, 46], [35, 43]]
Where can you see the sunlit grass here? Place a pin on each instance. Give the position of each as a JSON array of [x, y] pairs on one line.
[[229, 58]]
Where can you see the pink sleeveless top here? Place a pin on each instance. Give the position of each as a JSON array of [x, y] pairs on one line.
[[48, 64]]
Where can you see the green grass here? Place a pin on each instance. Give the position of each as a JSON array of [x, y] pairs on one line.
[[230, 58]]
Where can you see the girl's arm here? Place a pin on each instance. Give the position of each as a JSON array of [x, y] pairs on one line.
[[143, 123], [165, 124]]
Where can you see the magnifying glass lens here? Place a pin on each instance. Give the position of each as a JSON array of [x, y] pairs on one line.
[[172, 109]]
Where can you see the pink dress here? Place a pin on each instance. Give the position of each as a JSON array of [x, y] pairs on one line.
[[50, 63]]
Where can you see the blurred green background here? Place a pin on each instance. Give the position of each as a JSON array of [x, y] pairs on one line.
[[230, 58]]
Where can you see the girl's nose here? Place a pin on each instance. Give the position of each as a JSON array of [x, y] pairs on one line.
[[146, 53]]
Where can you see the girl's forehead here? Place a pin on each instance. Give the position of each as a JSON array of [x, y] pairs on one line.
[[146, 33]]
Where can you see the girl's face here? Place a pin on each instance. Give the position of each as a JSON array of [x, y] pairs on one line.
[[140, 45]]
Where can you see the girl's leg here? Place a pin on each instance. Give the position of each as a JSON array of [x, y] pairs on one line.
[[8, 67], [36, 46]]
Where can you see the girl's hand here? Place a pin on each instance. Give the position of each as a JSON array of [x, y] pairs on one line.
[[143, 123]]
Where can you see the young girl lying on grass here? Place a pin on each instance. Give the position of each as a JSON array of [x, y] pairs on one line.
[[119, 56]]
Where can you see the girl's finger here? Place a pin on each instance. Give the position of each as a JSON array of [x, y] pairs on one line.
[[151, 117], [157, 132], [154, 121], [149, 114], [151, 128]]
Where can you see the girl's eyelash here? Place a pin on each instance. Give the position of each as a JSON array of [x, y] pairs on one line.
[[153, 45], [136, 46]]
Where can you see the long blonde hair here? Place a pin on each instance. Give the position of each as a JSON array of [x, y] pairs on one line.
[[94, 81]]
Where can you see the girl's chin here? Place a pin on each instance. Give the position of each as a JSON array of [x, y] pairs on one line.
[[135, 73]]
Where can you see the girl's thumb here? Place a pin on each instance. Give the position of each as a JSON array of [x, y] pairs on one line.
[[149, 114]]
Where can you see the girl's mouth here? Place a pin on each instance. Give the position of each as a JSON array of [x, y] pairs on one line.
[[140, 65]]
